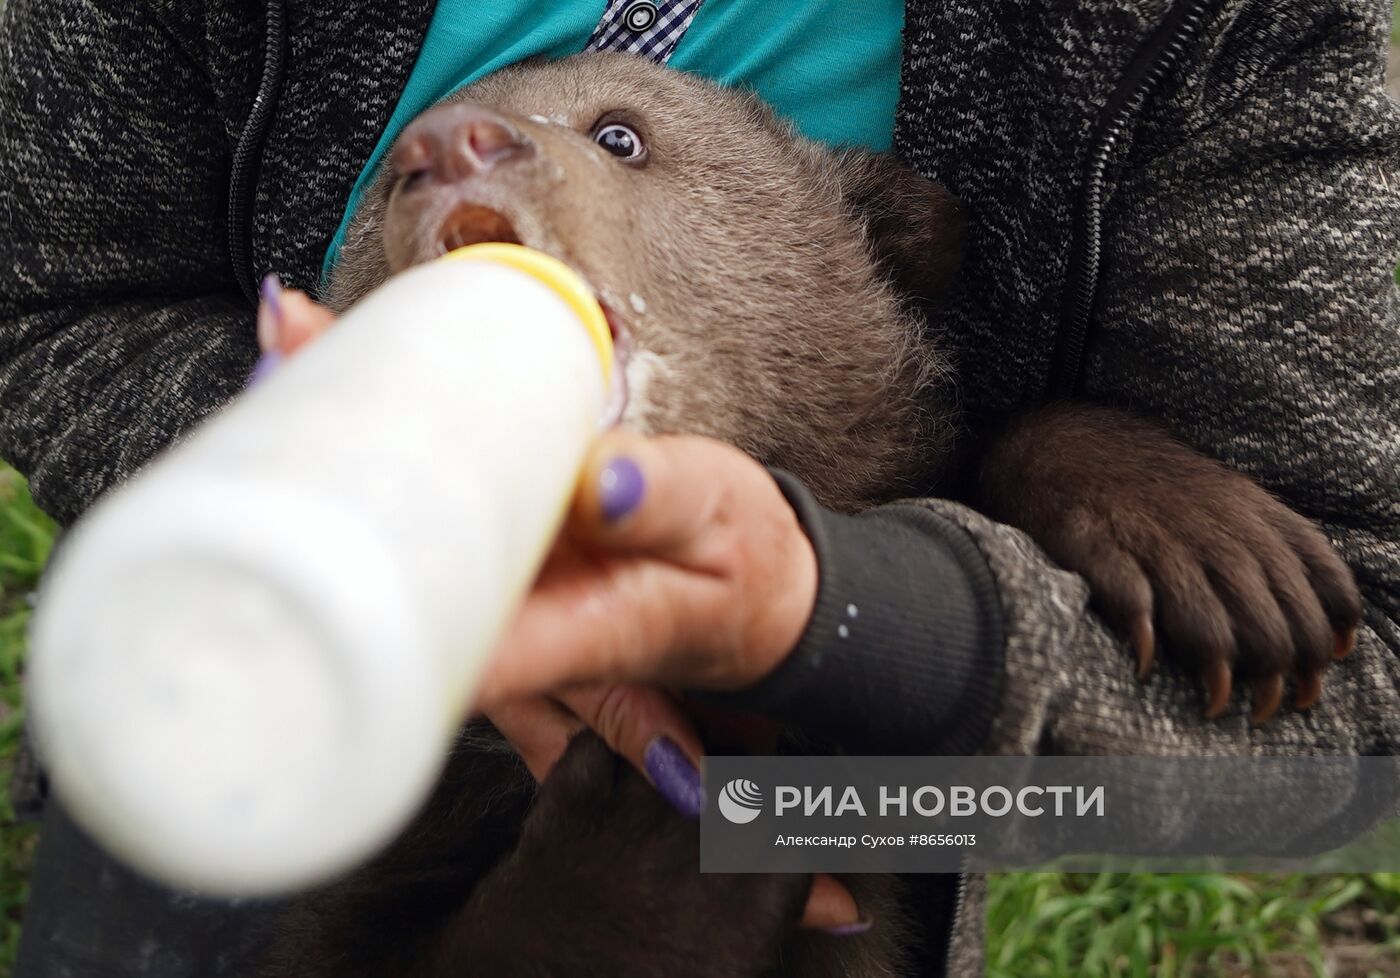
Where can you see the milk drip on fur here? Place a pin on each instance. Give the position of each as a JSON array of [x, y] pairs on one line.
[[248, 661]]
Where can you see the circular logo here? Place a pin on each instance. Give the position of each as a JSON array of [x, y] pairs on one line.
[[740, 801], [640, 16]]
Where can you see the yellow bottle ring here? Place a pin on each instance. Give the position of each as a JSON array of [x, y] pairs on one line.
[[565, 282]]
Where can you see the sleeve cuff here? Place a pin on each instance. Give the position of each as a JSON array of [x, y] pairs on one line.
[[904, 650]]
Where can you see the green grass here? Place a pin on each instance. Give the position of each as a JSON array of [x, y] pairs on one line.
[[1172, 926], [25, 538]]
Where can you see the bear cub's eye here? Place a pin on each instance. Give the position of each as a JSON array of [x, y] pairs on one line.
[[621, 141]]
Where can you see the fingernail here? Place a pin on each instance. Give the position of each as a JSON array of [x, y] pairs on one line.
[[270, 313], [848, 930], [267, 363], [620, 488], [675, 776]]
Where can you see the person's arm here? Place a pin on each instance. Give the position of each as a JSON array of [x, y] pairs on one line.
[[904, 650], [1249, 302], [120, 321]]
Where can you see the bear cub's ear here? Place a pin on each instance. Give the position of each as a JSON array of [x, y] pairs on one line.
[[914, 226]]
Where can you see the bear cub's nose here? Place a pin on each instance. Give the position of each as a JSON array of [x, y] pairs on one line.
[[454, 142]]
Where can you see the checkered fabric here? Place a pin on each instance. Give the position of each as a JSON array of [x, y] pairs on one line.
[[651, 28]]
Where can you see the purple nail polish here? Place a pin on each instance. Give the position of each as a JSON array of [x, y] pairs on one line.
[[267, 363], [851, 929], [674, 776], [271, 292], [621, 487], [270, 314]]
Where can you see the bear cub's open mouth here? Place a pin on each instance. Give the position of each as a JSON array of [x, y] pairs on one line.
[[469, 224]]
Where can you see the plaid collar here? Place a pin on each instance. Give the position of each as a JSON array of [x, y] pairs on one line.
[[650, 28]]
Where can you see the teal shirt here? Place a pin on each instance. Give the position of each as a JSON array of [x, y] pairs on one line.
[[830, 66]]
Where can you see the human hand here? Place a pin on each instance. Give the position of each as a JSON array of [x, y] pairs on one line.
[[680, 563], [656, 735], [287, 320]]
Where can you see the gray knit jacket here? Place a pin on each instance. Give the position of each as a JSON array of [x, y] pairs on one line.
[[1191, 208]]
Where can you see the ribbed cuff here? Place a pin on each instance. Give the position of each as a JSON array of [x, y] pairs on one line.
[[904, 650]]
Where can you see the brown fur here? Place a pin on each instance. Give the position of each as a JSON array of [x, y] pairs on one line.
[[1178, 550], [780, 287], [594, 876]]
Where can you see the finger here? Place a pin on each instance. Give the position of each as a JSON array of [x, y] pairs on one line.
[[595, 619], [538, 728], [831, 907], [302, 321], [646, 726], [660, 495], [270, 315], [288, 319]]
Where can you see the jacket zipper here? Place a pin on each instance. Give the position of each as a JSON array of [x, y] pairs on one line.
[[246, 156], [1160, 54]]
